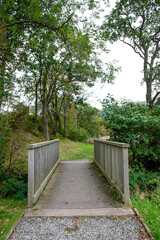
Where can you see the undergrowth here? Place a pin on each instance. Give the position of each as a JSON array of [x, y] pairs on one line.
[[150, 211]]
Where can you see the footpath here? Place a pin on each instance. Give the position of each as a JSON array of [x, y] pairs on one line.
[[77, 204]]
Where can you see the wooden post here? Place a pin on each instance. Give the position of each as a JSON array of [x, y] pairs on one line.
[[125, 175], [30, 176]]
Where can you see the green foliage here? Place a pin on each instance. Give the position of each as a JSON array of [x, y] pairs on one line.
[[15, 188], [4, 138], [30, 126], [142, 180], [89, 118], [77, 134], [16, 117], [150, 211], [137, 125]]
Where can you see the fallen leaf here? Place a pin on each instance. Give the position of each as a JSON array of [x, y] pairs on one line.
[[16, 209], [144, 237]]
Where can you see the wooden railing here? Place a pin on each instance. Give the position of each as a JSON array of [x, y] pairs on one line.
[[112, 159], [43, 159]]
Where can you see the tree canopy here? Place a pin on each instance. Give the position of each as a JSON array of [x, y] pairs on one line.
[[136, 23]]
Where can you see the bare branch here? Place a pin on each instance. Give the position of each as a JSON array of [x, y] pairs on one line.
[[154, 35], [43, 24], [122, 40], [155, 54], [153, 100]]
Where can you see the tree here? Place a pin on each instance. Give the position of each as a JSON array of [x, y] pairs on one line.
[[136, 23], [17, 18]]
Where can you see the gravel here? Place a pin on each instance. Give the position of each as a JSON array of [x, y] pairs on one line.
[[101, 228]]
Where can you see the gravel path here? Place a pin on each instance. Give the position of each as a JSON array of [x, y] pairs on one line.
[[92, 228]]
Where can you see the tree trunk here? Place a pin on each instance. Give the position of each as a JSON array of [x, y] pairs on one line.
[[65, 118], [50, 116], [3, 59], [147, 80], [75, 118], [36, 107], [55, 126], [46, 121], [43, 113], [149, 93], [2, 77], [59, 122]]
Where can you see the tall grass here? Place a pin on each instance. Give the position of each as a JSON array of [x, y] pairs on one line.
[[150, 211]]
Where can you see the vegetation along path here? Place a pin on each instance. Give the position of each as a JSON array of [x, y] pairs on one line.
[[77, 204]]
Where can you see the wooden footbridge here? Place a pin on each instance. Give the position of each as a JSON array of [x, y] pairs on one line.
[[77, 184]]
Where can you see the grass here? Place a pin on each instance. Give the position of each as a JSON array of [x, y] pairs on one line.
[[10, 211], [70, 150], [150, 211]]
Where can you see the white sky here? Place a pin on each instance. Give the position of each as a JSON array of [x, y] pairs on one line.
[[128, 82]]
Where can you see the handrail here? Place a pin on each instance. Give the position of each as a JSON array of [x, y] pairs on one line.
[[112, 159], [43, 158]]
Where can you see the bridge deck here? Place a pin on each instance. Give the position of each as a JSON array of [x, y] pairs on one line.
[[76, 184]]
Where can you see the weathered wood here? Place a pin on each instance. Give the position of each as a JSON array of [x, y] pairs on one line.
[[43, 159], [112, 159]]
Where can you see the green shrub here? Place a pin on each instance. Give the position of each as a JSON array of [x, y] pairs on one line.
[[5, 131], [77, 134], [16, 117], [142, 180], [137, 125], [14, 188], [30, 124]]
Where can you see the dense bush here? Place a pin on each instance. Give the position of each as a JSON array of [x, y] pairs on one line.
[[5, 131], [30, 124], [142, 180], [16, 117], [15, 188], [137, 125], [77, 134]]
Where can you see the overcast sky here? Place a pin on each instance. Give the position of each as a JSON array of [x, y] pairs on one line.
[[128, 82]]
